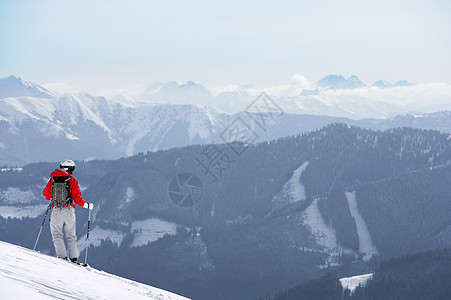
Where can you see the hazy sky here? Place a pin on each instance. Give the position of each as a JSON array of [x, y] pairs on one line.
[[95, 44]]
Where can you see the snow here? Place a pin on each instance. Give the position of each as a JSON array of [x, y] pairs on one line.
[[325, 235], [15, 86], [292, 191], [129, 195], [351, 283], [16, 196], [22, 212], [177, 93], [71, 137], [11, 169], [84, 105], [297, 189], [366, 245], [150, 230], [197, 121], [17, 108], [97, 235], [26, 274]]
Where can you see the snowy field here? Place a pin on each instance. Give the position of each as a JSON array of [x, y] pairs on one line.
[[351, 283], [26, 274], [150, 230], [14, 212]]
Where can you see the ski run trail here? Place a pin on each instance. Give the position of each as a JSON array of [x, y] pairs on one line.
[[366, 245], [26, 274]]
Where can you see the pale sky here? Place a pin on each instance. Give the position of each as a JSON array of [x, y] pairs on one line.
[[105, 44]]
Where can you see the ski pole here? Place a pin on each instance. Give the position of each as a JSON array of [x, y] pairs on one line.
[[87, 238], [42, 225]]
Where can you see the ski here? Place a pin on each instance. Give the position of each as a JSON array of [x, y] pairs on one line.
[[75, 262], [79, 263]]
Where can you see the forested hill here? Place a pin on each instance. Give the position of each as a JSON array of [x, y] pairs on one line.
[[336, 197], [424, 275]]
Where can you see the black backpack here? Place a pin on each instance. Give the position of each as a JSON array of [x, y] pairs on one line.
[[61, 192]]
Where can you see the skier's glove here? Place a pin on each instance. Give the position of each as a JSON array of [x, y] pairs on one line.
[[88, 205]]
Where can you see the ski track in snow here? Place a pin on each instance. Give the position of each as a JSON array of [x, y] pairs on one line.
[[366, 245], [26, 274]]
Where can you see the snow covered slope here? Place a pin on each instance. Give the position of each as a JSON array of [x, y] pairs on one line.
[[366, 246], [14, 87], [26, 274]]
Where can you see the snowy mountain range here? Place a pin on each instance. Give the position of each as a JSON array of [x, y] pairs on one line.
[[26, 274], [37, 126], [333, 95]]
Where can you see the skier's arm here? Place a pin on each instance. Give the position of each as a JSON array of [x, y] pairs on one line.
[[75, 192], [48, 190]]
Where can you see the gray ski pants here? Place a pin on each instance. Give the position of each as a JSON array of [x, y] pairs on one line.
[[64, 218]]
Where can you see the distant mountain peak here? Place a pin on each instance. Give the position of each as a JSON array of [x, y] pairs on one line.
[[382, 84], [403, 83], [177, 93], [339, 82], [13, 86]]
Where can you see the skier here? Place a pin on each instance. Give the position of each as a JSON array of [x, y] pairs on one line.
[[63, 190]]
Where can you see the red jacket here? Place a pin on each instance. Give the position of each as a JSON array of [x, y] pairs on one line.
[[75, 193]]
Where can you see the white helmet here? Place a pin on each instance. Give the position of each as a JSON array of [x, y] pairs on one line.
[[67, 165]]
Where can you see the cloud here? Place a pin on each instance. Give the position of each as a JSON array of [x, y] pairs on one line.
[[59, 88], [297, 84], [375, 102]]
